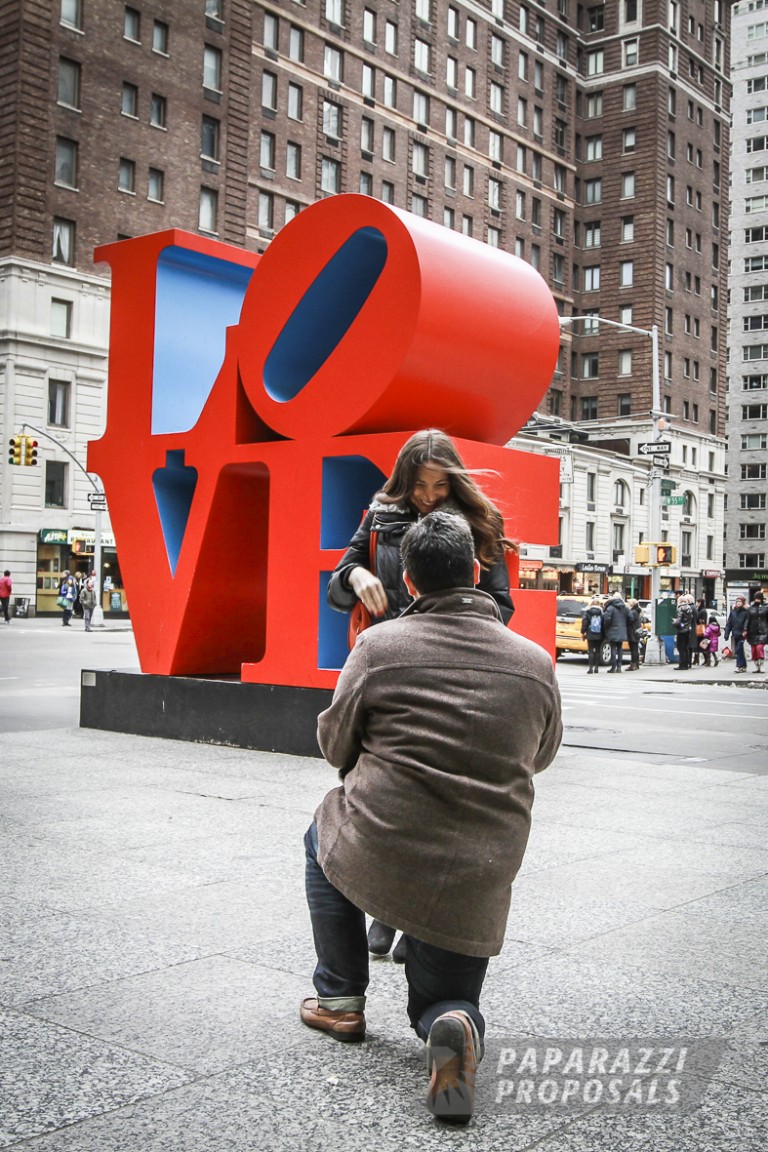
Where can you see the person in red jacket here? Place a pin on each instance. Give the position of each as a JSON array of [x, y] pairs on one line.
[[6, 588]]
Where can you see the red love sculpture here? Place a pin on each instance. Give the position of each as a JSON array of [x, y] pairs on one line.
[[255, 404]]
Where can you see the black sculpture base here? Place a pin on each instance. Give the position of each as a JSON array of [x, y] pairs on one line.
[[268, 717]]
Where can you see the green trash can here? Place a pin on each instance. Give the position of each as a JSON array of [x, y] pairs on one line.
[[666, 610]]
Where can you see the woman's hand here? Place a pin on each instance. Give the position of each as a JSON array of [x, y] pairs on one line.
[[369, 589]]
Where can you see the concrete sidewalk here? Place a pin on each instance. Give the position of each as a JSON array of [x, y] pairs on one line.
[[154, 946]]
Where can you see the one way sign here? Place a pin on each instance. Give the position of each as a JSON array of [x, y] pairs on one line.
[[657, 448]]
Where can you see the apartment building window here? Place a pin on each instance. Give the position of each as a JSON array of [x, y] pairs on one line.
[[626, 273], [627, 229], [496, 98], [266, 210], [594, 105], [494, 237], [267, 151], [269, 91], [495, 146], [452, 73], [58, 403], [293, 161], [497, 52], [132, 25], [65, 172], [331, 119], [625, 362], [63, 241], [419, 206], [390, 91], [209, 138], [595, 62], [69, 83], [754, 471], [330, 175], [592, 278], [628, 185], [589, 408], [296, 44], [126, 175], [467, 225], [369, 26], [520, 205], [71, 13], [160, 37], [420, 107], [295, 102], [754, 441], [591, 231], [61, 319], [470, 83], [522, 111], [158, 110], [558, 269], [424, 10], [155, 185], [212, 69], [208, 210], [333, 64], [129, 101], [55, 484], [590, 365], [390, 38], [271, 31], [334, 12], [631, 52], [366, 184], [624, 404], [470, 34], [469, 180], [629, 140], [214, 9], [421, 56], [367, 135], [593, 191], [559, 178], [594, 148], [388, 145], [469, 132], [387, 192], [420, 160], [449, 177]]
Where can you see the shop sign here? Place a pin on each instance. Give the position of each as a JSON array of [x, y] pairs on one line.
[[82, 534], [744, 576], [712, 573], [54, 536], [531, 565], [604, 569]]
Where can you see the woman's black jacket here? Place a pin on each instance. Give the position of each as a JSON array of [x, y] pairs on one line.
[[391, 521]]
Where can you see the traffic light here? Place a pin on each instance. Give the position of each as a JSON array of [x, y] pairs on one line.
[[16, 451], [30, 450], [665, 554], [641, 553]]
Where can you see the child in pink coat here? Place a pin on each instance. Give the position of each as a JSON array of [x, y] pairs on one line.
[[712, 634]]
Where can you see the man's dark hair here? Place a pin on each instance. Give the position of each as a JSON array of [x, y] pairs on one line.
[[438, 552]]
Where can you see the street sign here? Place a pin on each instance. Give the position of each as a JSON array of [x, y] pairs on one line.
[[673, 499], [661, 461], [656, 448], [97, 501], [667, 486]]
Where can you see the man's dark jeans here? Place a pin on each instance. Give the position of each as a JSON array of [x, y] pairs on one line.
[[438, 981]]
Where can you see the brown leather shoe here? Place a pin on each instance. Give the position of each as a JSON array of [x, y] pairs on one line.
[[346, 1026], [452, 1060]]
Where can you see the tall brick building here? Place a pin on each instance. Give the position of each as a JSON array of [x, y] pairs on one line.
[[591, 139]]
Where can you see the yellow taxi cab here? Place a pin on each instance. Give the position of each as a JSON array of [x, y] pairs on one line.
[[568, 637]]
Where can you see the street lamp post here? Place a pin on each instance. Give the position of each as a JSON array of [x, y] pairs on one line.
[[654, 649]]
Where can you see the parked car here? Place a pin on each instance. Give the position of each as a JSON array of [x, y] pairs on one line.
[[568, 637]]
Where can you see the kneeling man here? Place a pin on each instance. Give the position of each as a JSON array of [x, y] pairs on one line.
[[439, 722]]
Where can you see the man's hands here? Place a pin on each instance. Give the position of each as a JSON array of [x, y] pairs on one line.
[[368, 589]]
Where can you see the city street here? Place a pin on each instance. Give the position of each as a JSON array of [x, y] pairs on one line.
[[703, 716]]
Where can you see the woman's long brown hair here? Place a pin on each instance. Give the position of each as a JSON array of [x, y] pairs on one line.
[[433, 447]]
